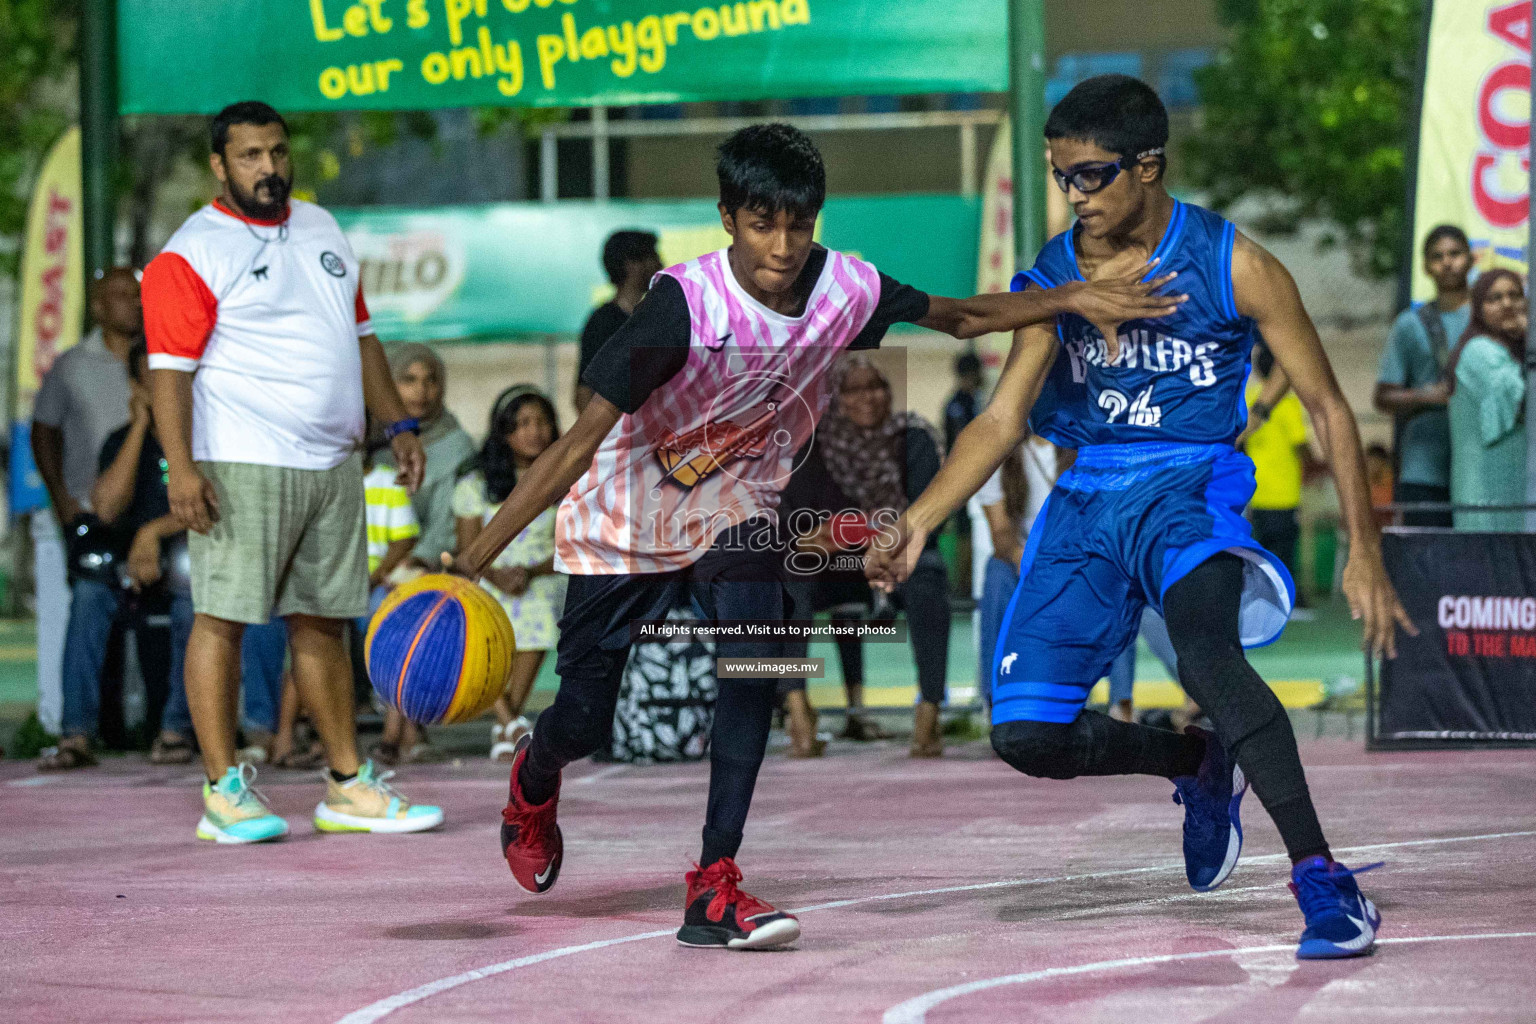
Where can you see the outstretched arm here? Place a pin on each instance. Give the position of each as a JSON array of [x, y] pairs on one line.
[[1266, 292], [1106, 304], [979, 450], [540, 486]]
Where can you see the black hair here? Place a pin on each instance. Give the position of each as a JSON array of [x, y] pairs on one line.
[[967, 362], [138, 359], [624, 248], [495, 460], [1443, 231], [1115, 112], [245, 112], [771, 167]]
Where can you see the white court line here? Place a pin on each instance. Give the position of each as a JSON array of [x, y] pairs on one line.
[[384, 1007], [40, 780], [915, 1011], [606, 773]]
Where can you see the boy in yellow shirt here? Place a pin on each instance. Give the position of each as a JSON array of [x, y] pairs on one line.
[[1277, 444]]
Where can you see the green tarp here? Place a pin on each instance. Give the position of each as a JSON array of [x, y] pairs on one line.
[[521, 269], [195, 56]]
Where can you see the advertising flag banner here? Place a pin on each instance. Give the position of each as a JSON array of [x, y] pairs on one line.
[[1469, 677], [1475, 132], [52, 303], [499, 271], [195, 56]]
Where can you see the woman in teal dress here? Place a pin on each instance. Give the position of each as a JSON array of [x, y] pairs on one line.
[[1486, 377]]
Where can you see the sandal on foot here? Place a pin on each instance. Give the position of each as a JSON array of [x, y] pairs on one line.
[[863, 730], [171, 751], [310, 757], [504, 739], [66, 758]]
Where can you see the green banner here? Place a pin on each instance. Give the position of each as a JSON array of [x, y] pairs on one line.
[[514, 270], [195, 56]]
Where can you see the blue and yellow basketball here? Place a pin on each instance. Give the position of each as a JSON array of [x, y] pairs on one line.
[[440, 649]]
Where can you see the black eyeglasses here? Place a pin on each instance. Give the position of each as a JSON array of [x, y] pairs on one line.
[[1096, 177]]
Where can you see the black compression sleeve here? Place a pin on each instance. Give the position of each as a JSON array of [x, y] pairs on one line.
[[899, 304], [646, 352]]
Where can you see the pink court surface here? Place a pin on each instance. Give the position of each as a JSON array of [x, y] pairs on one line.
[[928, 891]]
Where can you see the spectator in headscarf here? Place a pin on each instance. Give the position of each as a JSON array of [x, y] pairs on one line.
[[423, 381], [865, 465]]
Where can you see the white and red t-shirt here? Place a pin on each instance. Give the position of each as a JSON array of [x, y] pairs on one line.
[[719, 393], [268, 314]]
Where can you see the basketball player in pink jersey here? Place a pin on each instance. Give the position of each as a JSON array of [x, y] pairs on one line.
[[669, 480]]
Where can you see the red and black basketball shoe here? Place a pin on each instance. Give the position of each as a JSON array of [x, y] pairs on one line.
[[720, 915], [530, 836]]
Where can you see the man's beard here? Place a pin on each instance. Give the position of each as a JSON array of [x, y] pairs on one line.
[[277, 187]]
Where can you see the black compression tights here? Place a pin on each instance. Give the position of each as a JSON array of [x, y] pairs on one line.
[[1202, 614]]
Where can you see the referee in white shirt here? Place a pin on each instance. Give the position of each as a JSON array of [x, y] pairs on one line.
[[263, 361]]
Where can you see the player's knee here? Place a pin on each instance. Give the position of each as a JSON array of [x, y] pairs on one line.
[[1207, 656], [1043, 750]]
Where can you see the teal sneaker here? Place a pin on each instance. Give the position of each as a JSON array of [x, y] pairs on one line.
[[368, 803], [233, 812]]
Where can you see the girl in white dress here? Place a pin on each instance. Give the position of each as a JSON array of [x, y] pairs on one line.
[[522, 578]]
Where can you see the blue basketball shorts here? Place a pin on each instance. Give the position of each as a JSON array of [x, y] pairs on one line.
[[1119, 528]]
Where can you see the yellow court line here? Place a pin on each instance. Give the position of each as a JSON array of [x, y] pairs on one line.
[[1293, 693]]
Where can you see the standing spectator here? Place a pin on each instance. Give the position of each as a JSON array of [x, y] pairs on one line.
[[1487, 379], [1278, 447], [82, 400], [1412, 385], [630, 259], [965, 403], [263, 361], [423, 382], [135, 517], [522, 578]]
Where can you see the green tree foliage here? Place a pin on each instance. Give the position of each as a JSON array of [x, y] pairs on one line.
[[1308, 110], [37, 53]]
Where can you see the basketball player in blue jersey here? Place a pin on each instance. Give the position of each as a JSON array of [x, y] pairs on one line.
[[1151, 513]]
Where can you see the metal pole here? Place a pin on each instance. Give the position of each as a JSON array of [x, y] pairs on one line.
[[968, 185], [552, 367], [600, 153], [98, 131], [1026, 104], [1530, 346], [549, 166]]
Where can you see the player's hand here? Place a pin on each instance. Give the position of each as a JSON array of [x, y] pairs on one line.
[[194, 502], [513, 581], [893, 554], [1108, 302], [411, 459], [1372, 599]]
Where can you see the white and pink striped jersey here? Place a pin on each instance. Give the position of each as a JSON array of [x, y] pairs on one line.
[[713, 446]]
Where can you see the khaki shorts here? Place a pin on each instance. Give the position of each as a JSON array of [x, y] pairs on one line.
[[288, 542]]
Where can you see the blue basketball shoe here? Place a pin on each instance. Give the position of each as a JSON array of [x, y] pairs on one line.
[[1341, 922], [1213, 833]]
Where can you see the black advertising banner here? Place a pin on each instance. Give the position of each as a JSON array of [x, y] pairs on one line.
[[1469, 677]]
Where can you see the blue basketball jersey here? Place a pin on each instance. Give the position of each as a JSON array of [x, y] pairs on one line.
[[1177, 379]]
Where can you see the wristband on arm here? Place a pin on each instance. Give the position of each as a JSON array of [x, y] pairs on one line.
[[407, 426]]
